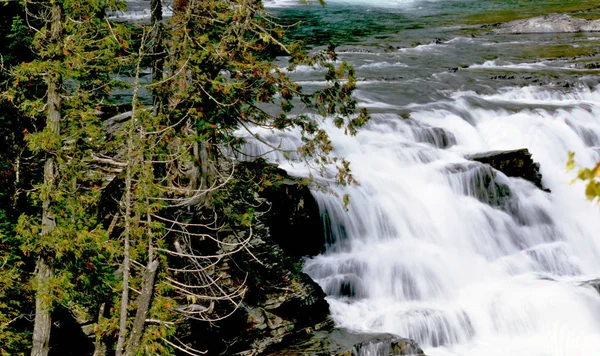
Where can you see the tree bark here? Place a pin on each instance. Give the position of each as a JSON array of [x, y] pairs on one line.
[[100, 346], [143, 303], [158, 61], [43, 321], [132, 161], [126, 244], [44, 271]]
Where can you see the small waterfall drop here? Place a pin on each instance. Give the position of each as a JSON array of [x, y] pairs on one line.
[[454, 254], [431, 251]]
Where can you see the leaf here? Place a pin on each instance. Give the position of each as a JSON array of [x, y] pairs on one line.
[[571, 162]]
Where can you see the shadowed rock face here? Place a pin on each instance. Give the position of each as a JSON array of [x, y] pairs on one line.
[[342, 342], [479, 181], [514, 163], [555, 23], [294, 219], [284, 312]]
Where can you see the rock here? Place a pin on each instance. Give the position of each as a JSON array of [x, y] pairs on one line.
[[595, 65], [280, 302], [594, 283], [479, 181], [436, 136], [343, 342], [514, 163], [294, 219], [112, 125], [554, 23]]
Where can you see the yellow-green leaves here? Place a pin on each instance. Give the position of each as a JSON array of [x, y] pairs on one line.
[[571, 162], [589, 175]]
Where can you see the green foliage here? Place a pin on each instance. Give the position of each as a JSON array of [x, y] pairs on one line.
[[591, 176], [182, 199], [12, 338]]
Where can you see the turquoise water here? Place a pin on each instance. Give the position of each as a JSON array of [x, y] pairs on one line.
[[359, 21]]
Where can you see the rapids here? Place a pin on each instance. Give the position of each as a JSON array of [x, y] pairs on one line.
[[420, 253]]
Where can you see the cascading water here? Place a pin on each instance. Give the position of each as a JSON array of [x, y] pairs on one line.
[[448, 251], [429, 250]]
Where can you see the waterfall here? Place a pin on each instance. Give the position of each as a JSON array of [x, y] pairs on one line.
[[435, 247], [425, 253], [452, 253]]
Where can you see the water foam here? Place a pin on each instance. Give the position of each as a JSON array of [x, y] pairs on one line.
[[429, 250]]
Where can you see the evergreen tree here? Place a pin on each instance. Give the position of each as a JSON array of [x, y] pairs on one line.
[[73, 50], [142, 268]]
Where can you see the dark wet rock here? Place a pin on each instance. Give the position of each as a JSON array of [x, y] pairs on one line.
[[479, 181], [349, 285], [294, 220], [594, 283], [514, 163], [503, 77], [595, 65], [379, 79], [436, 136], [351, 49], [342, 342], [280, 301], [555, 23]]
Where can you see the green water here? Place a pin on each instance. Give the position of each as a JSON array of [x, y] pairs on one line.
[[344, 22]]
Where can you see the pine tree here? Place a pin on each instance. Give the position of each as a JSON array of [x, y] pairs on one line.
[[73, 50], [186, 205], [143, 268]]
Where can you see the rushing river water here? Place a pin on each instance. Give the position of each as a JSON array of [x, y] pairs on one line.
[[421, 253]]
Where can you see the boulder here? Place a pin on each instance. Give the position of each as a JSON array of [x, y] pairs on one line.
[[513, 163], [343, 342], [435, 136], [294, 219], [554, 23], [479, 181]]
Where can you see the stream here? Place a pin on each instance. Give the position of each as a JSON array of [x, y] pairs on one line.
[[419, 253]]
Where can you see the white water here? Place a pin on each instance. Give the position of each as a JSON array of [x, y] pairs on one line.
[[426, 261], [419, 256]]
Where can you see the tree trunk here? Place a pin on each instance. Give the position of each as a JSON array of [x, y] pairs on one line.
[[132, 161], [43, 320], [143, 303], [44, 271], [158, 57], [126, 243], [100, 345]]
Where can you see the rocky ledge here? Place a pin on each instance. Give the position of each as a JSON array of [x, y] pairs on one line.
[[554, 23], [513, 163], [594, 283], [284, 312], [342, 342]]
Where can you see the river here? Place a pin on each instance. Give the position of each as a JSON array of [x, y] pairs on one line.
[[418, 254]]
